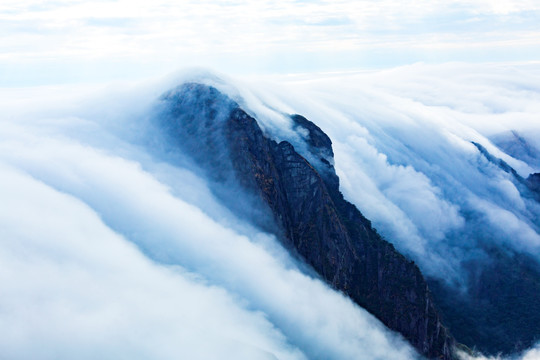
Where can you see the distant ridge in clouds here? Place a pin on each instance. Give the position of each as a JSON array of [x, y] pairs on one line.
[[404, 142]]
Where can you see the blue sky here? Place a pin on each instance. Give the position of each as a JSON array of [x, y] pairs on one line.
[[48, 42]]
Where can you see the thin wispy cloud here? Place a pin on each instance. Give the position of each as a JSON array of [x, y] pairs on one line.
[[137, 38]]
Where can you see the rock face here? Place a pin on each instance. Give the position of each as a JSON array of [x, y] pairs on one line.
[[305, 203]]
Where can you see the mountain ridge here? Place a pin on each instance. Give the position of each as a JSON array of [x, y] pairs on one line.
[[312, 217]]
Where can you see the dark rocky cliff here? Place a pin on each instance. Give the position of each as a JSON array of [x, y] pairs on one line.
[[311, 215]]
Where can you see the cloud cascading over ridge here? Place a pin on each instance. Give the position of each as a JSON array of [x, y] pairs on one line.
[[404, 153], [103, 257], [109, 249]]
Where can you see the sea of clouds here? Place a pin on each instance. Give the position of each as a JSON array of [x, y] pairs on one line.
[[404, 152], [109, 252], [109, 249]]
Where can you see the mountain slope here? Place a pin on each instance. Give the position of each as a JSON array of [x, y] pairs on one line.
[[304, 201]]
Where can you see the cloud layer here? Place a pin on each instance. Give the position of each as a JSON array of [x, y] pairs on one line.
[[109, 252], [404, 153]]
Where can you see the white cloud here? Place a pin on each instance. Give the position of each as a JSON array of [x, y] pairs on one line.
[[81, 188], [107, 252], [531, 354], [73, 288]]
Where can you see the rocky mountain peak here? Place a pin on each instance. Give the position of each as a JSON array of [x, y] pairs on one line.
[[311, 216]]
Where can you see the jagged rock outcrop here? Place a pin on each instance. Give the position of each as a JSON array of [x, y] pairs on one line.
[[312, 217]]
